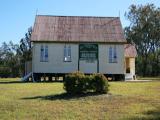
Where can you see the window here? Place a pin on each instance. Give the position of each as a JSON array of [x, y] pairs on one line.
[[67, 53], [88, 55], [115, 55], [44, 53], [112, 54]]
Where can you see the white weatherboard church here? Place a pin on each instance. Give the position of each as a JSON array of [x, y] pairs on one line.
[[64, 44]]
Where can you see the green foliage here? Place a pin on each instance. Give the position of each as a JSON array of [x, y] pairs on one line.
[[9, 60], [73, 83], [78, 83], [4, 72], [14, 56], [144, 33], [100, 83], [24, 52]]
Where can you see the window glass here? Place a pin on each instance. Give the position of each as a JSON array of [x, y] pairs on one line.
[[44, 53], [115, 54], [88, 52], [67, 53], [112, 54]]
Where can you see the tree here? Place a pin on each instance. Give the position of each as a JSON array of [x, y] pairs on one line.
[[14, 56], [144, 32], [24, 52], [8, 60]]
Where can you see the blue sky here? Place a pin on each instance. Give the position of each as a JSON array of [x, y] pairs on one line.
[[16, 16]]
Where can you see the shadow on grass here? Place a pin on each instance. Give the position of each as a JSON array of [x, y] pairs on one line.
[[13, 82], [149, 115], [62, 96]]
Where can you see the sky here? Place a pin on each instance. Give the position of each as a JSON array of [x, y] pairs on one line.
[[16, 16]]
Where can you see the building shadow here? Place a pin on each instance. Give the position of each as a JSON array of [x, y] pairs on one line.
[[62, 96]]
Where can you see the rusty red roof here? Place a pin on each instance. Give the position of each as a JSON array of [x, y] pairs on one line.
[[130, 50], [77, 29]]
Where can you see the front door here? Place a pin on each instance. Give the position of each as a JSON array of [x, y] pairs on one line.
[[88, 58], [127, 65]]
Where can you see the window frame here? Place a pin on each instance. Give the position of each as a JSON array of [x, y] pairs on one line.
[[110, 55], [67, 53], [41, 53], [88, 51], [113, 54], [44, 53]]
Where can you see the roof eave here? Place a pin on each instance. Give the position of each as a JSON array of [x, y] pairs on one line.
[[64, 41]]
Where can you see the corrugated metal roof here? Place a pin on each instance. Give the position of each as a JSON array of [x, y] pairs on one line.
[[77, 29], [130, 50]]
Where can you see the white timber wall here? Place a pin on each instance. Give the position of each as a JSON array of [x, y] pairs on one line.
[[111, 68], [88, 67], [56, 62]]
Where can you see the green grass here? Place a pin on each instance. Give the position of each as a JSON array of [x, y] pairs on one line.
[[46, 101], [148, 78]]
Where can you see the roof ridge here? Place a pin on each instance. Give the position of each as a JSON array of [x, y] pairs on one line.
[[78, 16]]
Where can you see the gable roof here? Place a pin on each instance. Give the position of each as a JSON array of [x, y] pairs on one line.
[[77, 29], [130, 50]]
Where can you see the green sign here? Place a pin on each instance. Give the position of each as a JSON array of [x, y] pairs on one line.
[[88, 51]]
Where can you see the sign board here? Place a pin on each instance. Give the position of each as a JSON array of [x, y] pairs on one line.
[[88, 51]]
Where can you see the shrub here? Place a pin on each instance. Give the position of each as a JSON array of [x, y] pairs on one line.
[[73, 83], [78, 83], [100, 83]]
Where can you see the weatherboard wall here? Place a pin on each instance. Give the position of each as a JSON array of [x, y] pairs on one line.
[[111, 68], [56, 62]]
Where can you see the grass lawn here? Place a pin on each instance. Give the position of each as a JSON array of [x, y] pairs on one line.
[[148, 78], [45, 101]]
